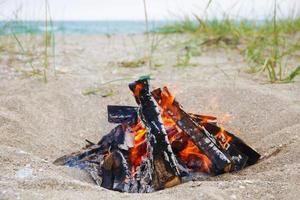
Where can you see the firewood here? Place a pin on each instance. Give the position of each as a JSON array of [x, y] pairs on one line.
[[152, 149], [206, 143], [122, 114], [128, 115], [75, 158], [107, 172], [110, 141], [121, 172], [203, 118], [95, 172], [161, 155], [115, 172], [235, 145]]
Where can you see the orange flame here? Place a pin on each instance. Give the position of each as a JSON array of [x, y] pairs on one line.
[[167, 121], [138, 89], [189, 154], [191, 151], [139, 148], [167, 97], [223, 138]]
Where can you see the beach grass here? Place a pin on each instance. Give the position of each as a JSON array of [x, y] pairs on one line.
[[29, 46], [266, 45], [134, 63]]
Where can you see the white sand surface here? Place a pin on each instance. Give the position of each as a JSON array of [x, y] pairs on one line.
[[40, 122]]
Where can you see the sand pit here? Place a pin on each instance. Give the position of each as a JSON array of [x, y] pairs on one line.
[[40, 122]]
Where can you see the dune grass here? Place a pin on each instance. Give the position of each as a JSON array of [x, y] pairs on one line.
[[29, 47], [265, 45], [134, 63]]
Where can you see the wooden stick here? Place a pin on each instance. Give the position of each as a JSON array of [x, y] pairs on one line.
[[161, 154]]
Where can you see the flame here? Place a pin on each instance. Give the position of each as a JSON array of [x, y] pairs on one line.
[[223, 138], [167, 97], [139, 148], [167, 121], [138, 89], [190, 152]]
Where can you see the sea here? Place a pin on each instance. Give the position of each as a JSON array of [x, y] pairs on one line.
[[79, 27]]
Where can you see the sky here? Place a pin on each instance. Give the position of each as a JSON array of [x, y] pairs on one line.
[[134, 10]]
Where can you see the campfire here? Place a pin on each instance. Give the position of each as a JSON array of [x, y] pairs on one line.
[[157, 145]]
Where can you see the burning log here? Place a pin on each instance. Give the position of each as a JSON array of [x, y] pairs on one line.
[[221, 160], [164, 162], [238, 158], [200, 119], [233, 144], [241, 154]]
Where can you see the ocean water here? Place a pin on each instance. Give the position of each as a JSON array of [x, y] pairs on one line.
[[78, 27]]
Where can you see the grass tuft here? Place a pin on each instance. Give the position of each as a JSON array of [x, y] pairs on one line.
[[27, 45], [267, 46], [134, 63]]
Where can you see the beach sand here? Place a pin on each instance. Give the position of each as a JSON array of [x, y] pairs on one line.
[[40, 122]]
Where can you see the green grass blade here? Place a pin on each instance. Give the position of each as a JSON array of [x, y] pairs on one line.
[[22, 49], [293, 74]]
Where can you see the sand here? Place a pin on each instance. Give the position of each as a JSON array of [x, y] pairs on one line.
[[40, 122]]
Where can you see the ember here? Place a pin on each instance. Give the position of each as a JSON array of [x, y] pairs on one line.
[[158, 145]]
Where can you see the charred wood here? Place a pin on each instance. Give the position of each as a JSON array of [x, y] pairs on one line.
[[152, 149], [221, 161], [164, 162], [235, 146], [122, 114]]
